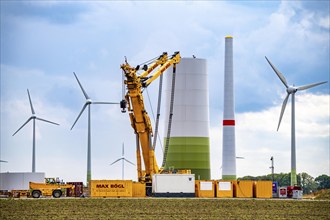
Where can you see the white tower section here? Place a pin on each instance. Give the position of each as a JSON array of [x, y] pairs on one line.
[[189, 142], [228, 136]]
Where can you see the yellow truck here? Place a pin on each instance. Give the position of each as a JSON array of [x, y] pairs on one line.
[[51, 187]]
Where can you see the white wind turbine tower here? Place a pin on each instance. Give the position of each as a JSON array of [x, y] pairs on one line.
[[291, 90], [33, 118], [123, 159], [87, 104]]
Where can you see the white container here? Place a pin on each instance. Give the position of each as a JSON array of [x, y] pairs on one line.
[[173, 185], [19, 181], [297, 194], [282, 192]]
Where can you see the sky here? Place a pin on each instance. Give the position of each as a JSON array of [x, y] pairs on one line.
[[44, 42]]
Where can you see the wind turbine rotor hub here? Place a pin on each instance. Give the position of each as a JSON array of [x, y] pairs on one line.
[[88, 101], [291, 89]]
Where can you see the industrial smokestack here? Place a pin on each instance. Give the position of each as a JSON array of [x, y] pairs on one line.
[[228, 135]]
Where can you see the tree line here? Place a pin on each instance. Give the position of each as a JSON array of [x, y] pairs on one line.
[[306, 181]]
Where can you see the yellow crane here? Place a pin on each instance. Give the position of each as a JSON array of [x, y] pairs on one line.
[[139, 118]]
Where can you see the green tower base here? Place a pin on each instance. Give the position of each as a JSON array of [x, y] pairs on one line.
[[190, 153]]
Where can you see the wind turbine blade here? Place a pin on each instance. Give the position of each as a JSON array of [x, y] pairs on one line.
[[129, 162], [82, 110], [283, 109], [310, 86], [47, 121], [116, 161], [3, 161], [117, 103], [122, 152], [32, 110], [279, 74], [82, 89], [23, 125]]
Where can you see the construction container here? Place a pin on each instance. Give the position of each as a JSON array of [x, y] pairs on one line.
[[173, 185], [243, 188], [77, 191], [290, 190], [224, 189], [297, 194], [111, 188], [282, 192], [205, 188], [263, 189], [275, 189], [19, 181], [139, 189]]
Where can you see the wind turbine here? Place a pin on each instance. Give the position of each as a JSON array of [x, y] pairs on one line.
[[123, 159], [33, 118], [88, 104], [291, 90]]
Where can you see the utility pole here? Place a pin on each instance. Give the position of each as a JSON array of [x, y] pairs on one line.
[[272, 167]]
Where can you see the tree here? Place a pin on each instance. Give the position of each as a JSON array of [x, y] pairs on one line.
[[304, 180], [323, 181], [283, 179], [307, 182]]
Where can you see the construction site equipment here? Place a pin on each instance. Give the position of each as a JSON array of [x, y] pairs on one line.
[[19, 180], [173, 185], [297, 194], [111, 188], [17, 184], [283, 192], [294, 192], [275, 189], [77, 191], [51, 187], [139, 118], [19, 193], [243, 188], [224, 189], [139, 189], [205, 188], [262, 189]]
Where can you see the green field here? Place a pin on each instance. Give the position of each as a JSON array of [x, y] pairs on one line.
[[152, 208]]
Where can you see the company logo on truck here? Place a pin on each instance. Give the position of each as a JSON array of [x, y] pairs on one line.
[[107, 186]]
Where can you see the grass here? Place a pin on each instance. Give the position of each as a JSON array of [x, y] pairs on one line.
[[152, 208]]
